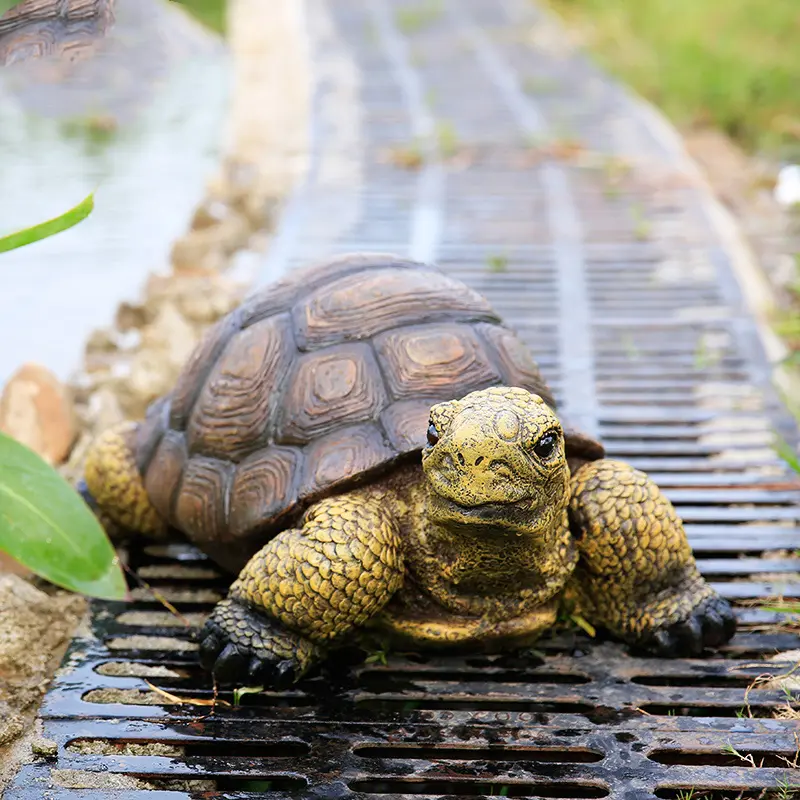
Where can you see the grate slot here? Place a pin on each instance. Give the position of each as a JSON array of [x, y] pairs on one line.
[[494, 754], [498, 787], [714, 758]]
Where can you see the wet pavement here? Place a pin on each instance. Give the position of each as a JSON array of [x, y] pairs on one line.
[[139, 118]]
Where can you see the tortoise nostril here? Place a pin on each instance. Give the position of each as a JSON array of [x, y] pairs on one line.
[[461, 459], [478, 460]]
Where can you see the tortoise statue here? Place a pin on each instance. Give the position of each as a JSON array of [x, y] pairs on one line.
[[376, 454]]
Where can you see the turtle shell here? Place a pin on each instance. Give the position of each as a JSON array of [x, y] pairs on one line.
[[312, 385], [54, 28]]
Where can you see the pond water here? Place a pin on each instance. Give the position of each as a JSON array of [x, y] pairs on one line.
[[144, 127]]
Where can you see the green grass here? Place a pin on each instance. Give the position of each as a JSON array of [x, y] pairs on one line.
[[734, 64], [209, 12]]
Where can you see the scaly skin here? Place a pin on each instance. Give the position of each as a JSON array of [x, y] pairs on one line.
[[115, 484], [634, 553], [494, 535]]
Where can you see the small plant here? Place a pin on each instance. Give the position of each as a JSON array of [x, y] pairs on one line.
[[377, 657], [615, 170], [241, 691], [497, 263], [538, 85], [786, 452], [704, 356], [731, 750], [641, 226], [447, 139], [417, 18], [583, 624], [785, 789]]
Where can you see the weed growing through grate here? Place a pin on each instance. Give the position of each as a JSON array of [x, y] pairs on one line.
[[241, 691], [497, 263], [378, 657], [417, 18], [642, 229], [447, 139]]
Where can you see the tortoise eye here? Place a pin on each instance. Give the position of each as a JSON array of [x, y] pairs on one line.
[[546, 445], [433, 434]]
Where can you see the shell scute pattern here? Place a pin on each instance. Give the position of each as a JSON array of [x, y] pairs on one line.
[[312, 385]]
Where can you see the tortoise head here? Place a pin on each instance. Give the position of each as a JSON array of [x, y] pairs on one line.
[[496, 459]]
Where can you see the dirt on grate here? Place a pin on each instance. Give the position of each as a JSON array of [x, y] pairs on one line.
[[35, 629]]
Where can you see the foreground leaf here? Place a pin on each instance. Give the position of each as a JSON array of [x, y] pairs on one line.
[[49, 228], [5, 5], [45, 525]]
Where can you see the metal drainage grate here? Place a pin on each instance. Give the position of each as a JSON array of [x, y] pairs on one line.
[[641, 332], [576, 718]]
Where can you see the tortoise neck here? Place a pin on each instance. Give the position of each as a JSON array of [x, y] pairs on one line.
[[480, 567]]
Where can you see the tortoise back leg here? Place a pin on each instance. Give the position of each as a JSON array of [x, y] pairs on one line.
[[115, 487], [636, 576], [304, 590]]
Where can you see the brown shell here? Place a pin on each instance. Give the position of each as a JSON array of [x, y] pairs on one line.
[[314, 384], [57, 28]]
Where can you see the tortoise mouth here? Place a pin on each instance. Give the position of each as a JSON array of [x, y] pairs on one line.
[[511, 513]]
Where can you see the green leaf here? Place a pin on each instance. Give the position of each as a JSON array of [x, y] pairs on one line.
[[45, 525], [5, 5], [241, 691], [583, 624], [49, 228]]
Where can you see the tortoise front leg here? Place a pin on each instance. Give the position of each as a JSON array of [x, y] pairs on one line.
[[637, 576], [304, 590], [113, 486]]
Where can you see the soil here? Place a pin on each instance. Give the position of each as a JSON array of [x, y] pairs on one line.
[[35, 628]]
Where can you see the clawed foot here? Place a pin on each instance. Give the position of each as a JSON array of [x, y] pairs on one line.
[[710, 624], [241, 646]]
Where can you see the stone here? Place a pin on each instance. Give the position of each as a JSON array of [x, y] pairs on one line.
[[44, 747], [37, 410]]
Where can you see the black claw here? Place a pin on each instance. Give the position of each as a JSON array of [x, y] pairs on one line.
[[661, 644], [285, 675], [713, 628], [230, 664], [725, 610], [690, 634], [260, 671], [209, 649], [710, 625]]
